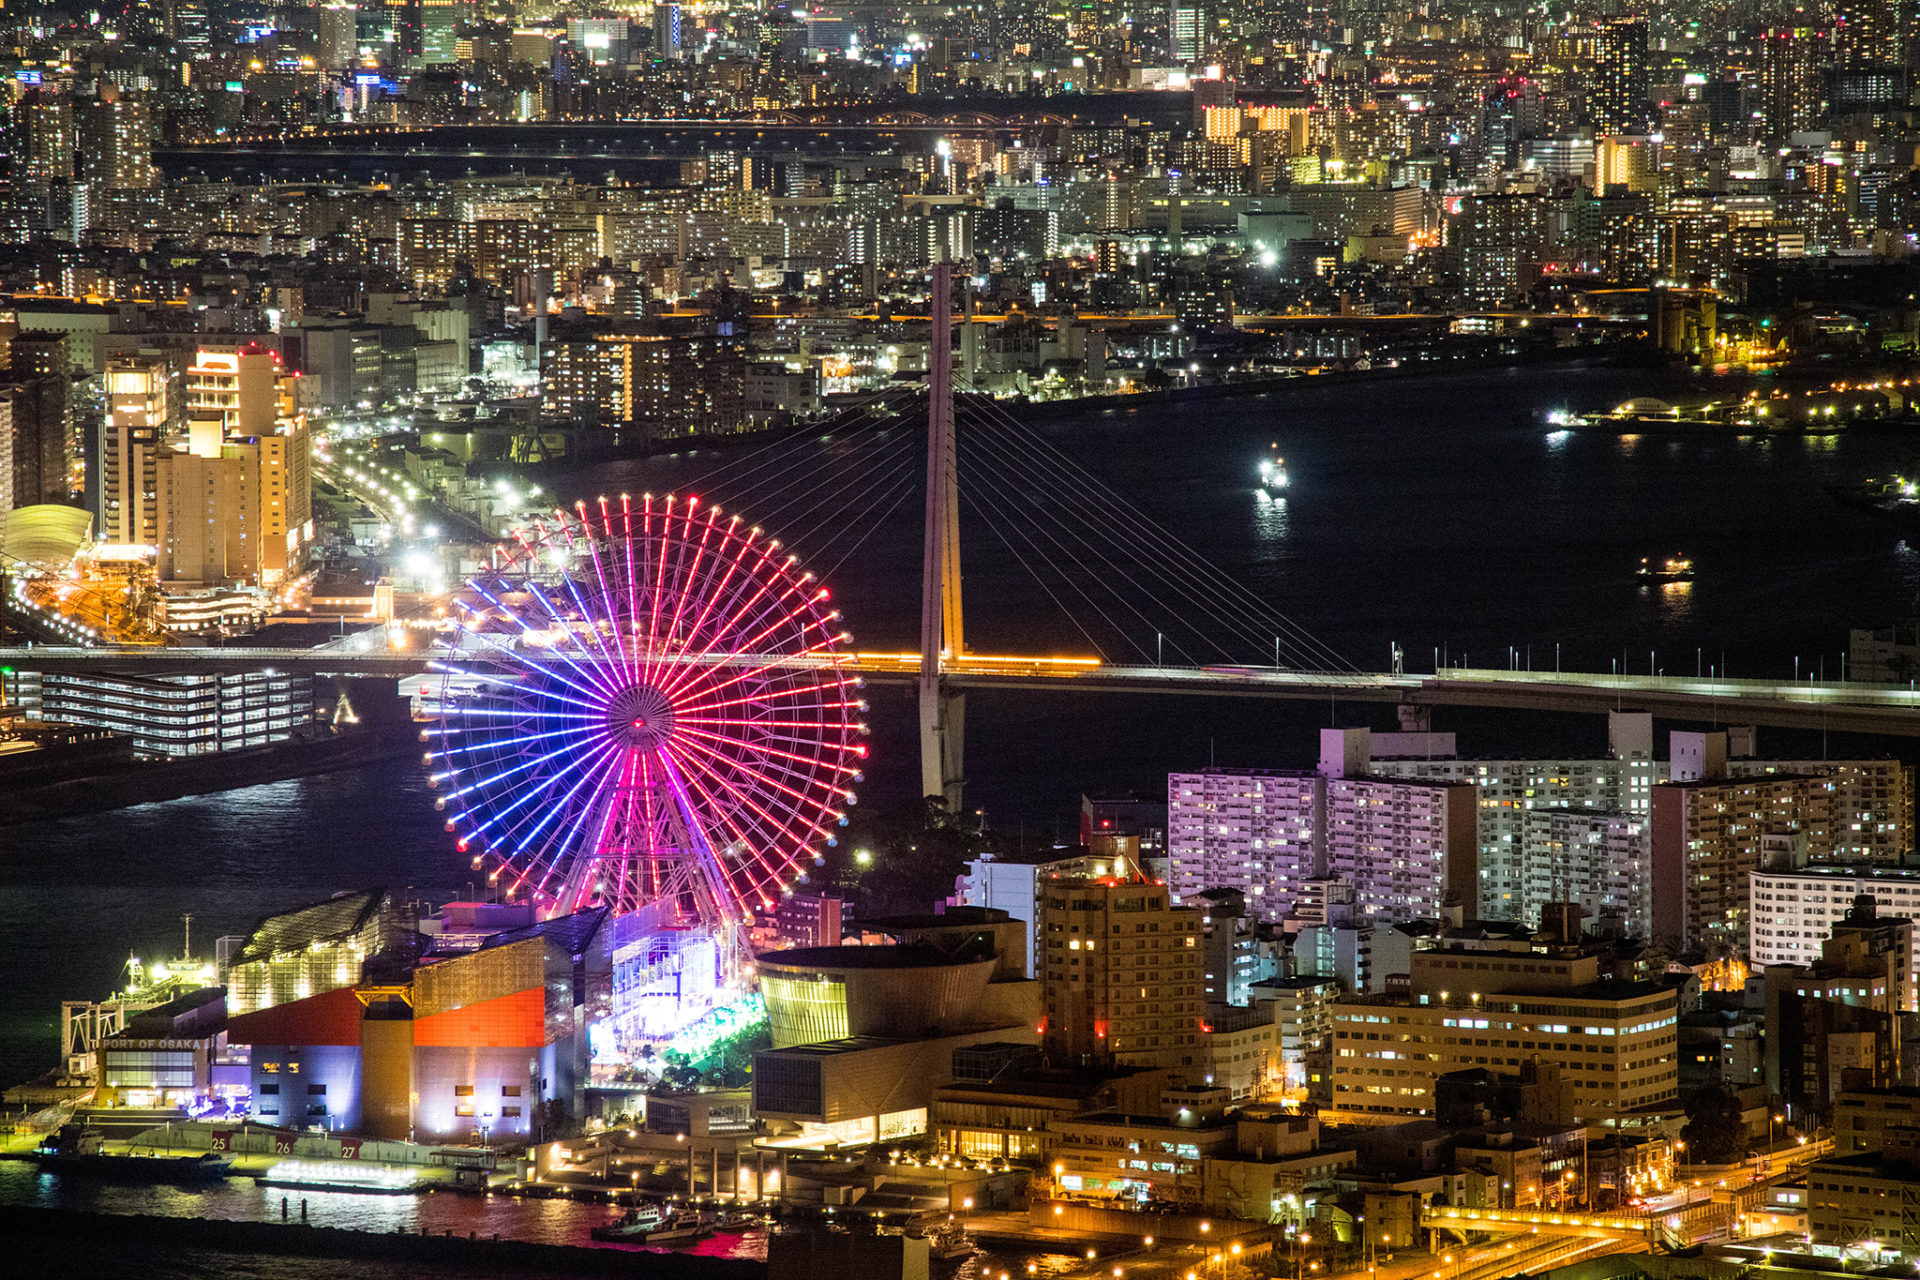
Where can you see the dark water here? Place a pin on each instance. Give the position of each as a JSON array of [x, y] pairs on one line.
[[1421, 511], [556, 1222]]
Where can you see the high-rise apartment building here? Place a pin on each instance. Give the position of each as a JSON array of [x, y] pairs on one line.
[[1618, 94], [1255, 830], [42, 137], [116, 143], [672, 385], [1408, 846], [1120, 970], [143, 419], [1709, 834], [1718, 821], [235, 505], [1791, 98], [1795, 909], [1614, 1042]]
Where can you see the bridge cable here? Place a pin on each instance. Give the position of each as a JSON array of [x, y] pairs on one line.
[[1069, 532], [1225, 592], [1143, 555], [1250, 609]]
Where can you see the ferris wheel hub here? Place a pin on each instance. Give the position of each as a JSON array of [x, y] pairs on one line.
[[641, 716]]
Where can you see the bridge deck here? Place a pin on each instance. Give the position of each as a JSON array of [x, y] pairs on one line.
[[1849, 706]]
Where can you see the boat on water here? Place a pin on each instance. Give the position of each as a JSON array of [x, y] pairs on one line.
[[1668, 569], [1273, 469], [946, 1241], [654, 1224], [75, 1149]]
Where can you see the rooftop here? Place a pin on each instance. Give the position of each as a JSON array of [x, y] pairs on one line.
[[572, 934], [337, 918], [829, 958]]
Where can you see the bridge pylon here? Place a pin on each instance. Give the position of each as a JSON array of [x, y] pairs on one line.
[[942, 637]]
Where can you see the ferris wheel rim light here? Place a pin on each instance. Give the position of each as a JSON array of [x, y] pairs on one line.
[[646, 706]]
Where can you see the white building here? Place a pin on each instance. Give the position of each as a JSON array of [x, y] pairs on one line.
[[1014, 887], [1593, 857], [1793, 910], [1512, 876]]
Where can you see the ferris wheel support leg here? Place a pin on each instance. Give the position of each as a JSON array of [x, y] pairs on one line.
[[943, 720]]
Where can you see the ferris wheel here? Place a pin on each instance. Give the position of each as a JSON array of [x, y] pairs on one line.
[[647, 706]]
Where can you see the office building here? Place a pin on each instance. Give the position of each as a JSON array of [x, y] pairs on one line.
[[1186, 31], [1504, 1008], [1234, 952], [1120, 971], [1866, 1203], [1014, 886]]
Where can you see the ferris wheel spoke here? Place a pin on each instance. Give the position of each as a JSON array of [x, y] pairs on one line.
[[759, 694], [605, 772], [741, 768], [748, 846], [589, 771], [600, 576], [659, 570], [527, 630], [769, 749], [691, 552], [520, 658], [740, 609], [631, 586], [496, 744], [713, 594]]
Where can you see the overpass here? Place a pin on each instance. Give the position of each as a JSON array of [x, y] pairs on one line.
[[1840, 706], [1545, 1222]]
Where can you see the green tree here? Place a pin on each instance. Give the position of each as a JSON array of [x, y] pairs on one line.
[[1715, 1133]]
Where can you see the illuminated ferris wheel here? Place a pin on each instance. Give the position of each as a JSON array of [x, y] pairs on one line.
[[647, 707]]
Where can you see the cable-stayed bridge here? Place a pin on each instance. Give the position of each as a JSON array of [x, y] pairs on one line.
[[1130, 607]]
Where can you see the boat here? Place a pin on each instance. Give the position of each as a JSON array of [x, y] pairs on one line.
[[633, 1226], [79, 1150], [685, 1224], [1670, 569], [738, 1220], [653, 1224], [946, 1240], [949, 1242], [1273, 469]]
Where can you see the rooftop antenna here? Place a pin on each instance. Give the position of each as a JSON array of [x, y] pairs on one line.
[[186, 945]]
